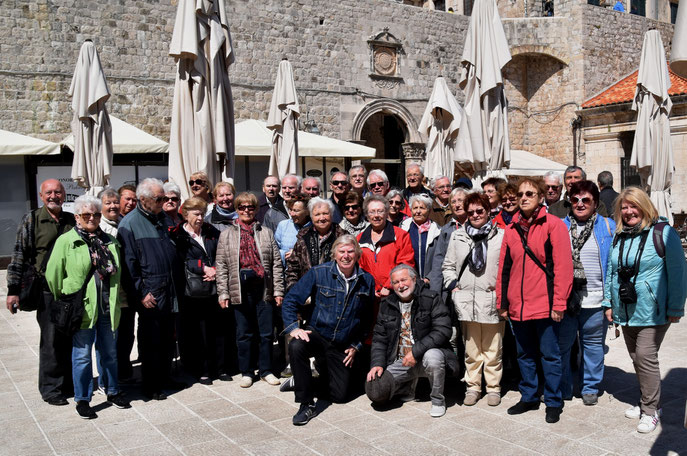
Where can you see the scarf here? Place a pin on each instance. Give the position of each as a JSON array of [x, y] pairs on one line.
[[231, 215], [478, 260], [577, 242], [507, 218], [424, 227], [249, 258], [101, 258], [526, 222], [351, 228]]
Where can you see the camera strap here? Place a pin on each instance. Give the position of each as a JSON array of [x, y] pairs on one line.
[[638, 255]]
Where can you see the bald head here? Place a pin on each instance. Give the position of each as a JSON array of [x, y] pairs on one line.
[[52, 194]]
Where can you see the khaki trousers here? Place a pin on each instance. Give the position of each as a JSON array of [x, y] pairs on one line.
[[483, 351], [643, 343]]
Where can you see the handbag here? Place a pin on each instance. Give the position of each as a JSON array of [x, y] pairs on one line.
[[196, 287], [66, 313], [32, 286]]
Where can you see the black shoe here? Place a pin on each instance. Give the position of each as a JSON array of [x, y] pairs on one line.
[[522, 407], [205, 381], [177, 386], [85, 411], [57, 400], [288, 385], [158, 396], [118, 400], [590, 399], [225, 377], [553, 414], [306, 412]]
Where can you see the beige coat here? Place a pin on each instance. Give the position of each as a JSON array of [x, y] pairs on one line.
[[476, 298], [227, 264]]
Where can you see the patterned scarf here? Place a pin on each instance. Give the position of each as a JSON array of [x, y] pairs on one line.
[[478, 260], [351, 228], [577, 242], [248, 250], [101, 258], [424, 227], [526, 222]]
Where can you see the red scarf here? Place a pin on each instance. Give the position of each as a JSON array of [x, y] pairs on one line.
[[248, 250]]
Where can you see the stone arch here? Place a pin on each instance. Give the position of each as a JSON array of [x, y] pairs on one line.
[[386, 106], [547, 51]]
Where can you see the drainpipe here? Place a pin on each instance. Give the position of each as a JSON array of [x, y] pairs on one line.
[[575, 124]]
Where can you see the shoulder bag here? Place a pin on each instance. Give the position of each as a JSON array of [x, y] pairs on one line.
[[66, 313]]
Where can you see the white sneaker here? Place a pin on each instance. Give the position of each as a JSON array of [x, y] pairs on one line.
[[647, 423], [633, 413], [271, 380], [437, 411], [246, 382]]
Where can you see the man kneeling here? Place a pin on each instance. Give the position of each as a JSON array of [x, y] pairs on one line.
[[342, 297], [411, 338]]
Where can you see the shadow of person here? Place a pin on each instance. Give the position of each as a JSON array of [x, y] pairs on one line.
[[673, 428], [622, 385]]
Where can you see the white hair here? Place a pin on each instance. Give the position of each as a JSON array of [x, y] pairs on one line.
[[421, 198], [145, 188], [86, 201], [379, 173], [299, 179], [316, 179], [171, 187], [437, 179], [404, 267], [553, 175], [108, 192], [416, 165], [317, 201]]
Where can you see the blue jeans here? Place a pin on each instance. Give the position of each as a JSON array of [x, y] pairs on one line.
[[591, 326], [106, 353], [253, 327], [538, 339]]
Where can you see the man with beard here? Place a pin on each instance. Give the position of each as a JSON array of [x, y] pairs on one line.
[[36, 236]]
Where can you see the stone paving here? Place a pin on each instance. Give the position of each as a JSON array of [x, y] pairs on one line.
[[224, 419]]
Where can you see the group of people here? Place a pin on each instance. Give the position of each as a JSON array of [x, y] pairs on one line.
[[373, 287]]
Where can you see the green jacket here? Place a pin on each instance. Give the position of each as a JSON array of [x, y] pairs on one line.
[[67, 269]]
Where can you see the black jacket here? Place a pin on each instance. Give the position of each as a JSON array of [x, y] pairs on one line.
[[190, 255], [264, 206], [430, 325], [607, 196]]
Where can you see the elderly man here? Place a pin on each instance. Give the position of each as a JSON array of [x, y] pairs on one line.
[[290, 185], [127, 199], [311, 186], [149, 256], [441, 205], [562, 208], [606, 193], [378, 182], [342, 297], [36, 236], [411, 340], [270, 198], [356, 177], [415, 176], [339, 186], [554, 188]]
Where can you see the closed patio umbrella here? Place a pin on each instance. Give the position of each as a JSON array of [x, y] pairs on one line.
[[484, 56], [652, 152], [283, 121], [90, 124], [441, 122], [202, 130]]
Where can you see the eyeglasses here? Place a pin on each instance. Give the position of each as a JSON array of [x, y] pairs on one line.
[[352, 207], [174, 199], [443, 187], [197, 182], [339, 183], [586, 200], [87, 215], [377, 184], [528, 194], [246, 208], [376, 212], [553, 187], [477, 212]]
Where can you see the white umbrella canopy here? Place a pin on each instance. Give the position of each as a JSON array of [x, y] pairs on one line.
[[283, 121], [127, 139], [16, 144], [440, 123], [652, 152], [90, 124], [485, 141], [202, 130]]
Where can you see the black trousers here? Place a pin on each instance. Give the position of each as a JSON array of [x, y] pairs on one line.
[[125, 341], [197, 335], [156, 343], [54, 358], [335, 377]]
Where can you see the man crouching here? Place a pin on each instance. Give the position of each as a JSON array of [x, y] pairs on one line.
[[411, 338]]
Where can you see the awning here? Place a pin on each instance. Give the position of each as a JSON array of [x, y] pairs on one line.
[[16, 144], [127, 139], [253, 138], [527, 164]]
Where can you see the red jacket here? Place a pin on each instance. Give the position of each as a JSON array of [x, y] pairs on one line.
[[392, 249], [521, 286]]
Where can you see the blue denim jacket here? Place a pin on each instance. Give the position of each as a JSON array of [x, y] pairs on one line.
[[343, 319]]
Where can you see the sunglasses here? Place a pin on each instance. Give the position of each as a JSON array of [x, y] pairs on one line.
[[87, 215], [246, 208], [528, 194], [159, 199], [174, 199], [511, 199], [352, 207], [197, 182], [377, 184], [395, 203], [475, 212], [553, 187], [586, 200], [339, 183]]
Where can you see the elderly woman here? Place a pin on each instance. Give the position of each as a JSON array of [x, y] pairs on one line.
[[354, 222], [397, 207], [249, 277], [223, 213], [508, 195], [170, 204], [644, 292], [286, 234], [423, 233], [88, 258], [314, 243], [535, 251], [383, 245], [109, 220], [470, 270], [200, 185], [196, 242]]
